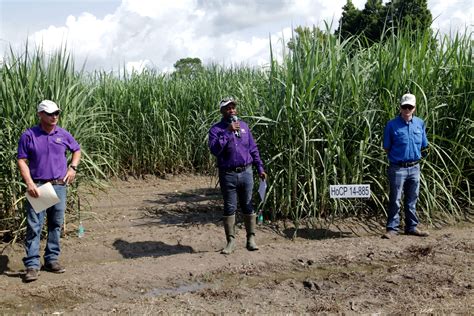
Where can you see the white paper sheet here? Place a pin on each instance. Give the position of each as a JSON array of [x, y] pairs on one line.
[[47, 198], [262, 189]]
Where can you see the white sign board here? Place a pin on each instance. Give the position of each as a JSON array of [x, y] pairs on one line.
[[349, 191]]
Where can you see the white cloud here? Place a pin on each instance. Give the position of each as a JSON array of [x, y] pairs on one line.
[[161, 32], [159, 9], [452, 15], [138, 66], [85, 35], [156, 33]]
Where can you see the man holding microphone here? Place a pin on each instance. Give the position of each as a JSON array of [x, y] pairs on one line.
[[231, 141]]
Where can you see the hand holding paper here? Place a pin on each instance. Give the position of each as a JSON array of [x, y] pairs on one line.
[[47, 198]]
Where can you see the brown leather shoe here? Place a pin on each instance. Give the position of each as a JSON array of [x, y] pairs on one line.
[[389, 234], [54, 267], [31, 274], [417, 232]]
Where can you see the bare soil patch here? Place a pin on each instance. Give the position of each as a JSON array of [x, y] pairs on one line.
[[153, 245]]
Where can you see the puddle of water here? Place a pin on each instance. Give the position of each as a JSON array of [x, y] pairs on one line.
[[185, 288]]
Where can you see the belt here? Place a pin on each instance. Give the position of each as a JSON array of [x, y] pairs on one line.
[[237, 169], [407, 164], [53, 181]]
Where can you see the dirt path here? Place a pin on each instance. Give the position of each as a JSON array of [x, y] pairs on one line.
[[153, 246]]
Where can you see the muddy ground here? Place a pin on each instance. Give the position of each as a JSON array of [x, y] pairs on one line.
[[152, 246]]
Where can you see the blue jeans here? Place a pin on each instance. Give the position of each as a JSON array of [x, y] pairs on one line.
[[406, 180], [55, 218], [237, 185]]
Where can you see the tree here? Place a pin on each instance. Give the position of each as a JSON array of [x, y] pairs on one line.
[[188, 66], [406, 15], [373, 20], [411, 15], [350, 21]]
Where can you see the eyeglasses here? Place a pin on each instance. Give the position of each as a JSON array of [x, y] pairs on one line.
[[52, 114], [407, 107]]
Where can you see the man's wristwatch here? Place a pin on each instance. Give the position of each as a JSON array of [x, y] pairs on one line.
[[73, 167]]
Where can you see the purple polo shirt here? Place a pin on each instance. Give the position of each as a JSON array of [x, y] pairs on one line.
[[46, 153], [232, 151]]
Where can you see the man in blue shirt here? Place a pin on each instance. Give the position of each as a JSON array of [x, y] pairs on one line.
[[231, 141], [405, 142]]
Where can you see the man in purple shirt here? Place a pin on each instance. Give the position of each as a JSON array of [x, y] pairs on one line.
[[232, 143], [41, 159]]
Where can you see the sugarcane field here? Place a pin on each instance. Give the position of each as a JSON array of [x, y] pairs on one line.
[[337, 178]]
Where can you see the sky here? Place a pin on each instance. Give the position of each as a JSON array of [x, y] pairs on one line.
[[138, 34]]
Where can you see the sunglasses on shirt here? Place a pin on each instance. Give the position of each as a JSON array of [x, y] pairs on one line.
[[407, 107], [52, 114]]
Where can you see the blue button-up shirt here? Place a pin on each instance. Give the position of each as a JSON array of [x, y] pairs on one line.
[[232, 151], [404, 140]]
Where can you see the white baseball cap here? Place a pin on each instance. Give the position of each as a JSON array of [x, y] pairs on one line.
[[227, 101], [48, 106], [408, 99]]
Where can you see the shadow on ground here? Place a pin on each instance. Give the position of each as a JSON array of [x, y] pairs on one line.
[[315, 233], [189, 197], [3, 263], [140, 249], [5, 270], [189, 208]]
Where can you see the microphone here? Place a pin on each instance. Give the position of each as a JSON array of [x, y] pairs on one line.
[[234, 118]]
